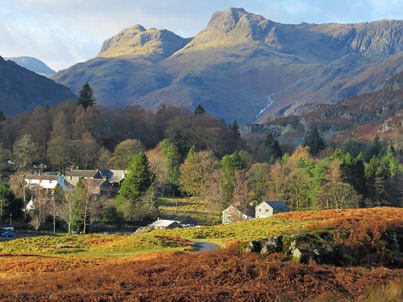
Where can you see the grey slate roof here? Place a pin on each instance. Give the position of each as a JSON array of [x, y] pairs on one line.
[[276, 204], [248, 210], [42, 177], [82, 173], [163, 223]]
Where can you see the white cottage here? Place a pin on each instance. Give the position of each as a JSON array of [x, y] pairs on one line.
[[269, 208], [46, 181]]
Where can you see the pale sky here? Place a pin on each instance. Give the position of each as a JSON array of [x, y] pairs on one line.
[[64, 32]]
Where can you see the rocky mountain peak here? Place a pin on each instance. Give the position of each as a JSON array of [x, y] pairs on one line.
[[234, 18], [153, 44], [138, 27], [243, 66], [225, 20]]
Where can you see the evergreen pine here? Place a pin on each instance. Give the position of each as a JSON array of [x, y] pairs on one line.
[[375, 149], [86, 98], [354, 147], [268, 150], [274, 146], [139, 178], [229, 165], [353, 172], [235, 129], [199, 110], [10, 204], [314, 141]]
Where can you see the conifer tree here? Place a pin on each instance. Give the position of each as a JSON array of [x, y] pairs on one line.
[[353, 172], [139, 178], [235, 129], [375, 149], [314, 141], [199, 110], [173, 158], [268, 150], [86, 98], [229, 165]]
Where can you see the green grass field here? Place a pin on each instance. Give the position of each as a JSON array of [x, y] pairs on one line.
[[242, 231], [96, 244], [193, 207], [351, 225], [93, 245]]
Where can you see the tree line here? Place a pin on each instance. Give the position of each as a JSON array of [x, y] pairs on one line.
[[90, 137]]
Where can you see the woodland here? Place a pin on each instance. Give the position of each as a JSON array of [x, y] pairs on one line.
[[174, 151]]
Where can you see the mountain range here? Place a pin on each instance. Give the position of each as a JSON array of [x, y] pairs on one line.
[[34, 65], [22, 90], [242, 66], [378, 113]]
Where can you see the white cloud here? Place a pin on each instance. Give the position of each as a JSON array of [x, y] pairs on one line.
[[61, 32]]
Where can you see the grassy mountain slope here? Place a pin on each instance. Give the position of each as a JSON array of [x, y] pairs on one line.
[[23, 90], [240, 59]]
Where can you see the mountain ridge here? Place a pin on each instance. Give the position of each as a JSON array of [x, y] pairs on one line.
[[22, 90], [33, 64], [240, 59]]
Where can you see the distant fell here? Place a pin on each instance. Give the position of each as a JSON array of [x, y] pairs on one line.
[[22, 90], [33, 64], [243, 66]]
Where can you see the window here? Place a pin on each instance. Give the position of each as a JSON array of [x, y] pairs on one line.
[[267, 210], [260, 210]]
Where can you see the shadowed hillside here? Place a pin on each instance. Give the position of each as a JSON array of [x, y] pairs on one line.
[[23, 90]]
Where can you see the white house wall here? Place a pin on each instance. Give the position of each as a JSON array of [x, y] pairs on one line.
[[46, 184]]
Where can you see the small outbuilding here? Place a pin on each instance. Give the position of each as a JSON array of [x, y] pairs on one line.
[[165, 224], [269, 208], [235, 214]]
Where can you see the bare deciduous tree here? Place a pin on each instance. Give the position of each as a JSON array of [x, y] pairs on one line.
[[66, 207]]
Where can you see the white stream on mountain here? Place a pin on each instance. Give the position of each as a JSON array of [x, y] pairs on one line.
[[269, 103]]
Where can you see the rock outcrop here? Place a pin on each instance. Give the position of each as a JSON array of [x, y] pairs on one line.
[[321, 247], [303, 248], [378, 113]]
